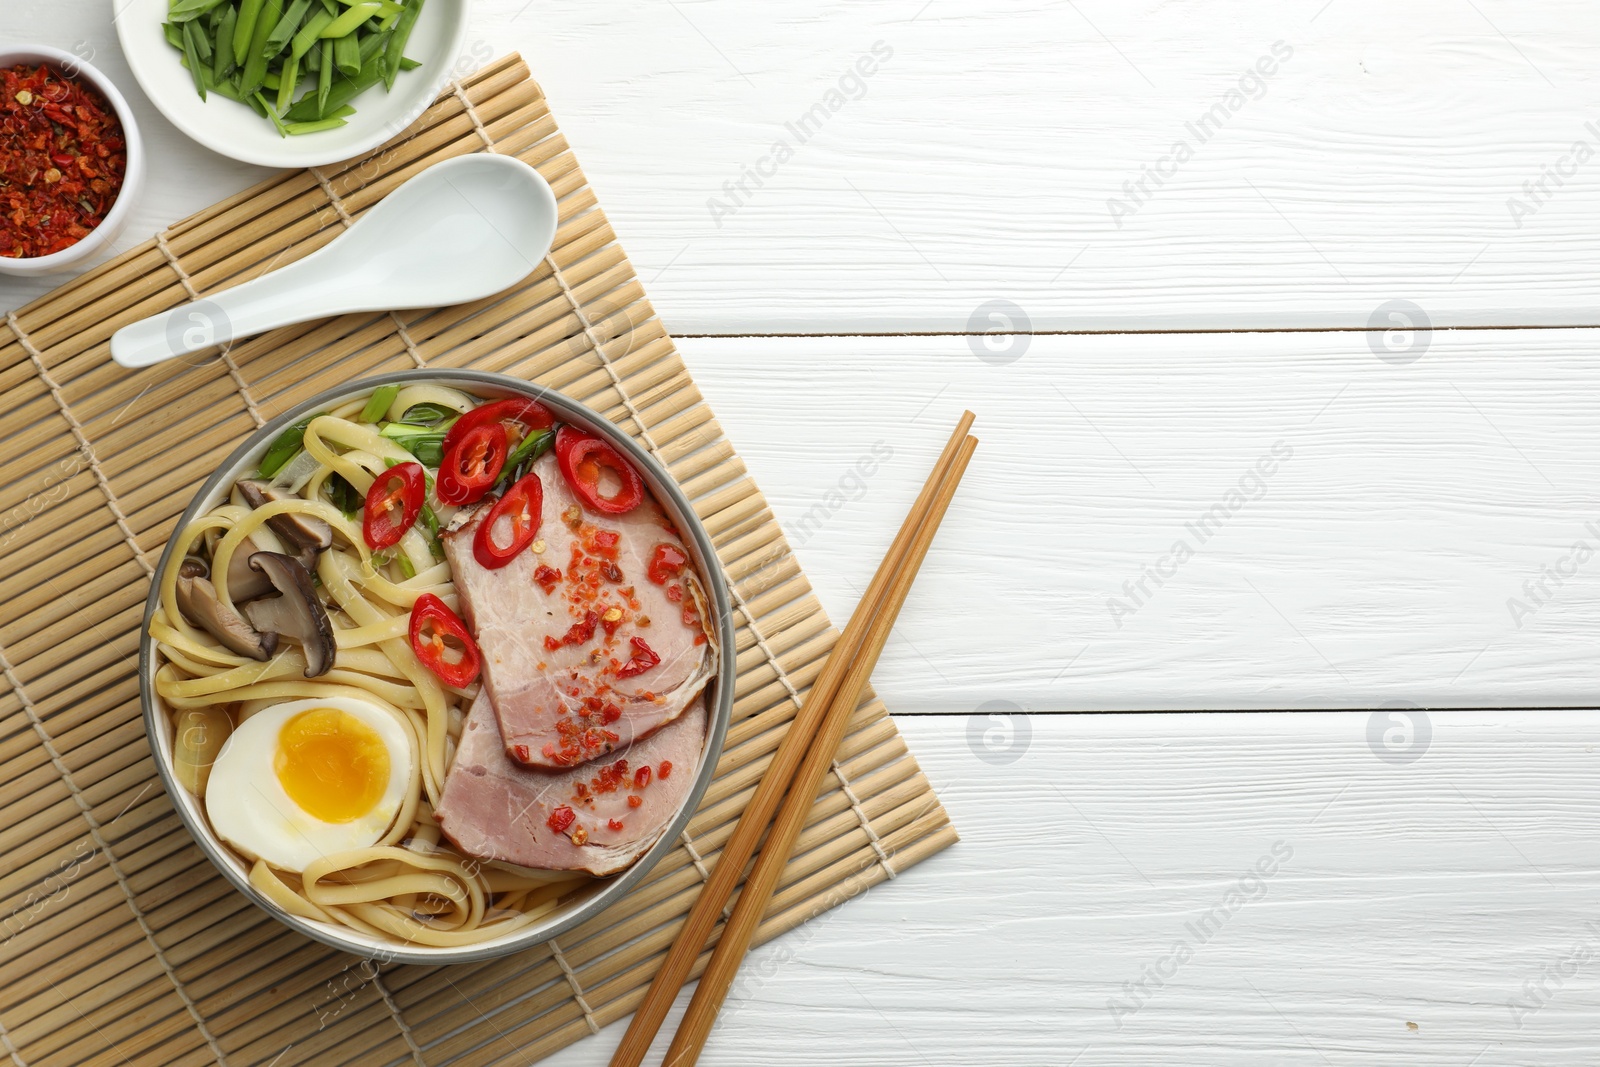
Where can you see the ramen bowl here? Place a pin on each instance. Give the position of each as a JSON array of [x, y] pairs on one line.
[[585, 902]]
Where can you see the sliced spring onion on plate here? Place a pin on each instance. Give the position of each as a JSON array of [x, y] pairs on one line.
[[297, 63]]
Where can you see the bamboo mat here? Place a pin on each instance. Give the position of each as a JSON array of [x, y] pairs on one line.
[[121, 944]]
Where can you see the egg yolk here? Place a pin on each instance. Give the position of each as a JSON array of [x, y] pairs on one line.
[[333, 765]]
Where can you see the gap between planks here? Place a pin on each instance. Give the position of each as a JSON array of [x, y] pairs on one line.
[[1196, 332]]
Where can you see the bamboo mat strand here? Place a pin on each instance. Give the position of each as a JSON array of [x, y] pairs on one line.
[[118, 941], [224, 352]]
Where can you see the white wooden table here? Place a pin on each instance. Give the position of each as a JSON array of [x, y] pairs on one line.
[[1286, 541]]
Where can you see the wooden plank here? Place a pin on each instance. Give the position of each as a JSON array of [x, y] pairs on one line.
[[1427, 893], [1376, 163], [1405, 506]]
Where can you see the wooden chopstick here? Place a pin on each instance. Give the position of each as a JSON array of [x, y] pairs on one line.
[[758, 888], [792, 751]]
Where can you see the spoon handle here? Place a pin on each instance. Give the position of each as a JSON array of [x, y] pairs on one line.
[[461, 230], [276, 299]]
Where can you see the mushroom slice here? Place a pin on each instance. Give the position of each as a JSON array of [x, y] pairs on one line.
[[197, 599], [303, 531], [295, 612], [245, 582]]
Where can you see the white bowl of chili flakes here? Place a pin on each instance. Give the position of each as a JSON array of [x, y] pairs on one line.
[[71, 162]]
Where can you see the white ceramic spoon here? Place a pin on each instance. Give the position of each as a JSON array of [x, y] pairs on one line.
[[461, 230]]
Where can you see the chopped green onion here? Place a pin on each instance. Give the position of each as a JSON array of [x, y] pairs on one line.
[[245, 28], [373, 44], [339, 95], [287, 81], [424, 442], [191, 57], [283, 131], [428, 414], [395, 53], [202, 40], [351, 19], [285, 446], [347, 55], [344, 495], [309, 33], [260, 52], [188, 10], [430, 522], [378, 403], [532, 447], [222, 47], [255, 60], [286, 27], [222, 88], [324, 79]]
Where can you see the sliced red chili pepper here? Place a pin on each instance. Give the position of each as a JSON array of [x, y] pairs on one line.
[[522, 504], [432, 622], [393, 504], [643, 659], [582, 456], [666, 770], [666, 561], [614, 824], [561, 818], [471, 465], [533, 416]]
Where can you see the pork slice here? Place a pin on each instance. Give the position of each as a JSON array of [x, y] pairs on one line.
[[564, 627], [579, 819]]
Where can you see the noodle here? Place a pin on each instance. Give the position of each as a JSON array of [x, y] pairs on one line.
[[409, 886]]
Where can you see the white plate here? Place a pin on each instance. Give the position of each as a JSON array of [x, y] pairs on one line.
[[234, 130]]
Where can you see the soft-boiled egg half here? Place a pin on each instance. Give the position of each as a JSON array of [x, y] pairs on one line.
[[308, 778]]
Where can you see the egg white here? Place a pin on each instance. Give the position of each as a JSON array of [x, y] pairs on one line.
[[249, 808]]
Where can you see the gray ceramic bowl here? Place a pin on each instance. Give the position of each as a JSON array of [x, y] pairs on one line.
[[604, 892]]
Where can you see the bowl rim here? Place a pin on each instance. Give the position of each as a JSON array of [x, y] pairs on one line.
[[75, 67], [425, 91], [699, 540]]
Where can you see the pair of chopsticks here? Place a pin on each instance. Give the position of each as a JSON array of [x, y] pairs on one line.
[[794, 776]]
